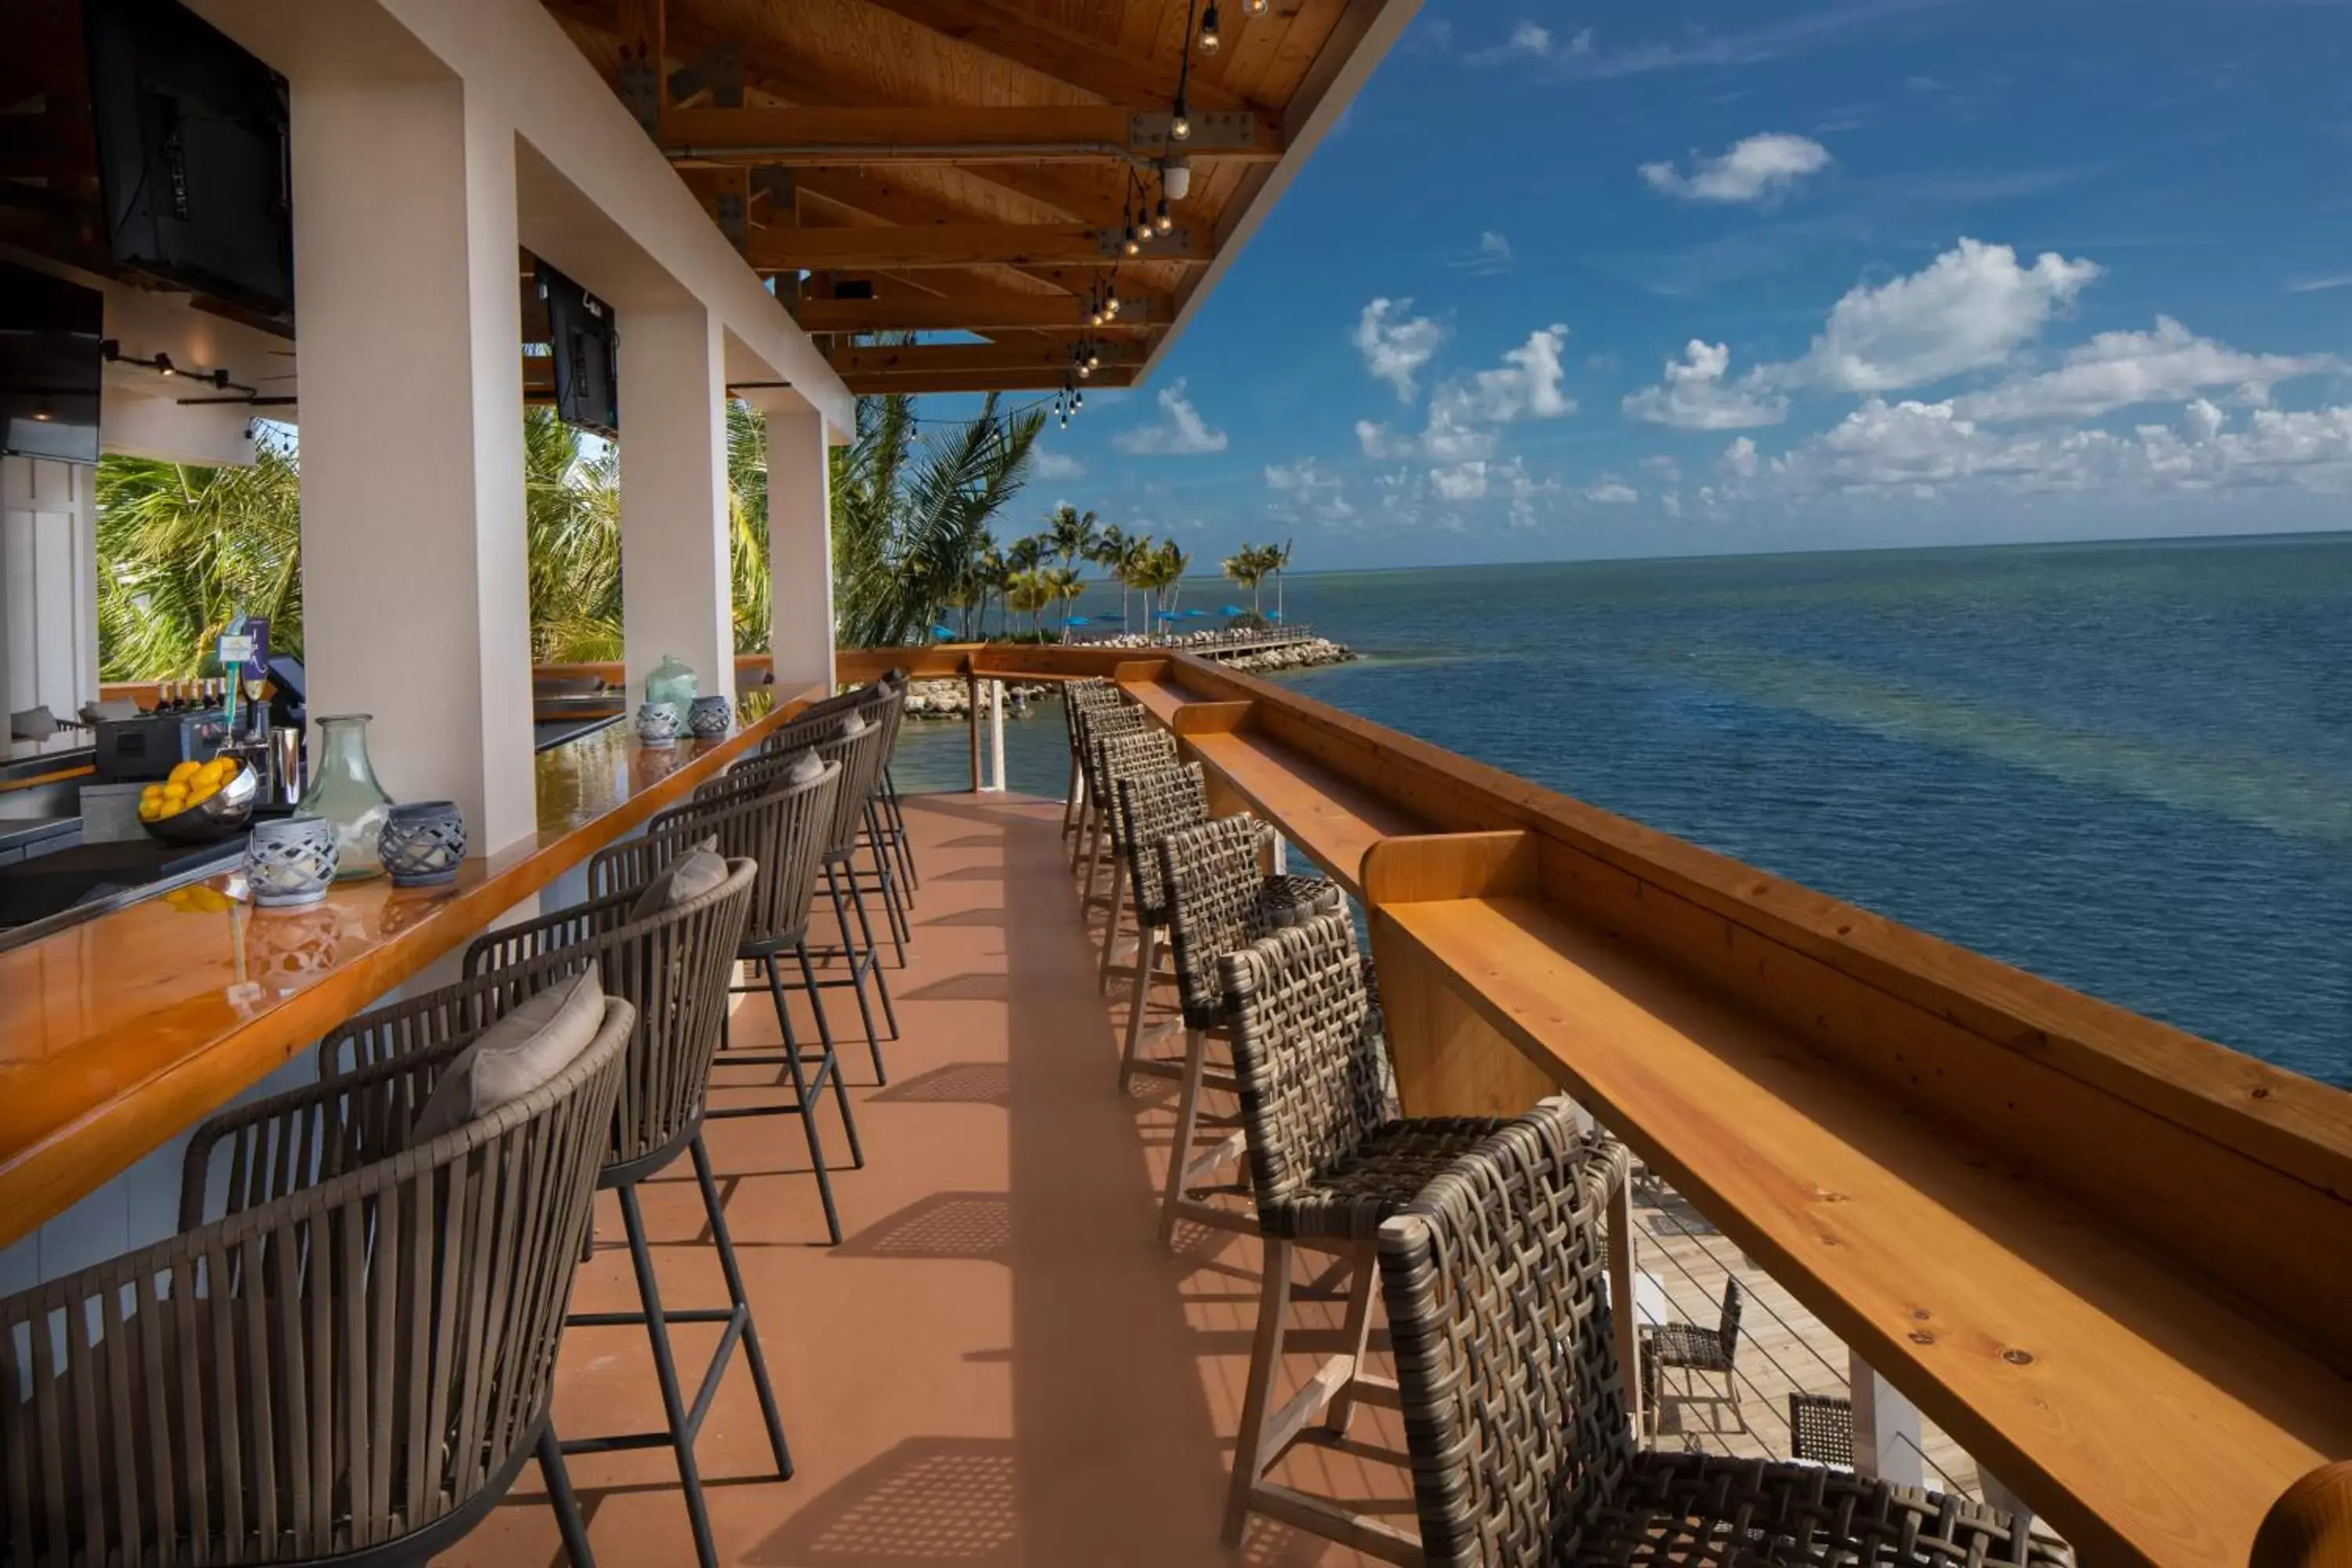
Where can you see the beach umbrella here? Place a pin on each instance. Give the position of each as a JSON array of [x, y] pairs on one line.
[[1232, 610], [1077, 621], [1189, 615], [945, 634]]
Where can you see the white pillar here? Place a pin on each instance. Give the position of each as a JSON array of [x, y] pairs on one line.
[[800, 551], [996, 735], [415, 603], [48, 587], [1886, 1441], [675, 596]]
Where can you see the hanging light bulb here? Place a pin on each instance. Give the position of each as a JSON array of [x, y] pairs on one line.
[[1209, 40], [1254, 7], [1163, 220], [1180, 122], [1110, 307], [1078, 400], [1131, 246], [1175, 177], [164, 363], [1094, 357]]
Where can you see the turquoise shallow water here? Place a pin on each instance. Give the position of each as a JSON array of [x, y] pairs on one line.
[[2128, 767]]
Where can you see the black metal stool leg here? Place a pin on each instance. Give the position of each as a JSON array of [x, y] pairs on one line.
[[681, 1426], [824, 1034], [856, 972], [905, 839], [742, 1305], [808, 1107], [568, 1523], [874, 956], [887, 882]]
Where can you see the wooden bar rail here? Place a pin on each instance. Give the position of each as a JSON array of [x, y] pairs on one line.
[[2111, 1259], [117, 1035]]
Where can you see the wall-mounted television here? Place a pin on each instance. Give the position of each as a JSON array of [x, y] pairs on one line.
[[586, 341], [193, 153], [51, 365]]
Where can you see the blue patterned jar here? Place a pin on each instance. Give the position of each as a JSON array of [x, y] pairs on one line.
[[423, 843], [710, 717]]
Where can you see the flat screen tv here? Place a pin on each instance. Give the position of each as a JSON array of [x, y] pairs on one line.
[[586, 341], [51, 365], [192, 154]]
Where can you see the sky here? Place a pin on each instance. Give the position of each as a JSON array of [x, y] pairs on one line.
[[1584, 281]]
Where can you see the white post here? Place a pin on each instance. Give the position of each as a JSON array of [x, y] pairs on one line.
[[996, 735], [48, 587], [800, 551], [1886, 1442], [1625, 1315], [674, 583], [416, 600], [1281, 854]]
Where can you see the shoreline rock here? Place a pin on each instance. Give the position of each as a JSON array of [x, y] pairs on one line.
[[1305, 654]]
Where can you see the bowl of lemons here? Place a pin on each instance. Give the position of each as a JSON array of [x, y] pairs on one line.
[[200, 802]]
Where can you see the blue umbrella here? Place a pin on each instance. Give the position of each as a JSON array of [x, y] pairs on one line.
[[1077, 621], [946, 634], [1111, 615], [1232, 610], [1274, 616], [1190, 614]]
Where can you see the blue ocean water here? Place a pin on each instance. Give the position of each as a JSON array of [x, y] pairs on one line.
[[2128, 767]]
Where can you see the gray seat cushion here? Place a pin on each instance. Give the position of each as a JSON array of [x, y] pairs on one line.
[[806, 769], [514, 1056], [699, 871]]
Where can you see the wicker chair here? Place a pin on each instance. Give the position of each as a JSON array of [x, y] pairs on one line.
[[1115, 757], [860, 758], [1699, 1351], [865, 760], [1514, 1402], [1094, 725], [1821, 1429], [900, 844], [672, 967], [1329, 1160], [1219, 900], [1077, 697], [782, 825], [352, 1364], [1150, 805]]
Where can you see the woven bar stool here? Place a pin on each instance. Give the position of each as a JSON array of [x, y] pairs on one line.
[[1079, 695], [860, 726], [1149, 805], [1329, 1159], [881, 706], [1096, 724], [1105, 732], [1514, 1403], [784, 820], [1220, 899], [844, 739], [1115, 757], [354, 1363], [886, 798], [667, 947]]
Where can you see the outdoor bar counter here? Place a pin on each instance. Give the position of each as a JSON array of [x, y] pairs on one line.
[[118, 1035]]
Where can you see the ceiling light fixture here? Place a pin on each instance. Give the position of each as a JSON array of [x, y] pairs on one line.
[[1209, 40]]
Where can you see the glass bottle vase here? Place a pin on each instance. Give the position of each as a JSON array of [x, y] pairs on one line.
[[344, 789]]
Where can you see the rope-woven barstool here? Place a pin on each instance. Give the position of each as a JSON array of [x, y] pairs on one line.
[[1077, 696], [1149, 805], [1514, 1400], [1115, 757], [1329, 1159], [1106, 729], [865, 754], [352, 1363], [1096, 724], [886, 794], [672, 963], [782, 822], [1220, 899]]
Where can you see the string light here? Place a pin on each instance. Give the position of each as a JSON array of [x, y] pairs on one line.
[[1180, 120], [1254, 7], [1163, 220], [1180, 126], [1209, 40]]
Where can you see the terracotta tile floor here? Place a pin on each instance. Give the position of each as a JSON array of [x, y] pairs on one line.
[[1000, 1365]]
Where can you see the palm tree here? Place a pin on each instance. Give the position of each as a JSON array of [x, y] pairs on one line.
[[1135, 565], [1110, 554], [1172, 565], [572, 529], [1281, 569], [1248, 567], [1064, 584], [181, 549], [1027, 592], [1071, 536]]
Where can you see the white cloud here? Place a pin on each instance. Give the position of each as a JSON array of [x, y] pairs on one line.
[[1493, 256], [1307, 489], [1739, 458], [1969, 309], [1460, 481], [1754, 169], [2116, 370], [1395, 345], [1671, 503], [1533, 41], [1612, 491], [1463, 411], [1697, 396], [1183, 435], [2314, 285], [1055, 466]]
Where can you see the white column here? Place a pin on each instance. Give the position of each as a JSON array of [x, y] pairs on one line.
[[995, 690], [48, 587], [1886, 1444], [416, 600], [675, 588], [799, 549]]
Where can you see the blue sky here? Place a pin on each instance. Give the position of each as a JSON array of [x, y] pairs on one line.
[[1577, 282]]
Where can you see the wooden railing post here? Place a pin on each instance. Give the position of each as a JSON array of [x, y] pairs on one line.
[[2310, 1526]]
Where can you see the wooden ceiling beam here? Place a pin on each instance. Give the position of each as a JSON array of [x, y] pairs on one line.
[[955, 244], [978, 313], [926, 359], [1027, 133], [1030, 40], [980, 381]]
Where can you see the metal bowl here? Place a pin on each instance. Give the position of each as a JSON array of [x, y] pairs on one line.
[[223, 816]]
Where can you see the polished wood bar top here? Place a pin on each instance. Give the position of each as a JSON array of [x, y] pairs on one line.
[[2070, 1362], [116, 1034]]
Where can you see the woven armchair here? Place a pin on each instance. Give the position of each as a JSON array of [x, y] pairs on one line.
[[1096, 725], [760, 810], [1695, 1350], [1149, 805], [1514, 1404], [1077, 697], [353, 1363], [1821, 1429]]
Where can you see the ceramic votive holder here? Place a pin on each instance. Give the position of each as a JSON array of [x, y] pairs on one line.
[[290, 861], [657, 725], [710, 717], [423, 843]]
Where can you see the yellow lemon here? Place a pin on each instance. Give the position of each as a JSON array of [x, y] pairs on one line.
[[149, 810], [182, 771], [153, 792]]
